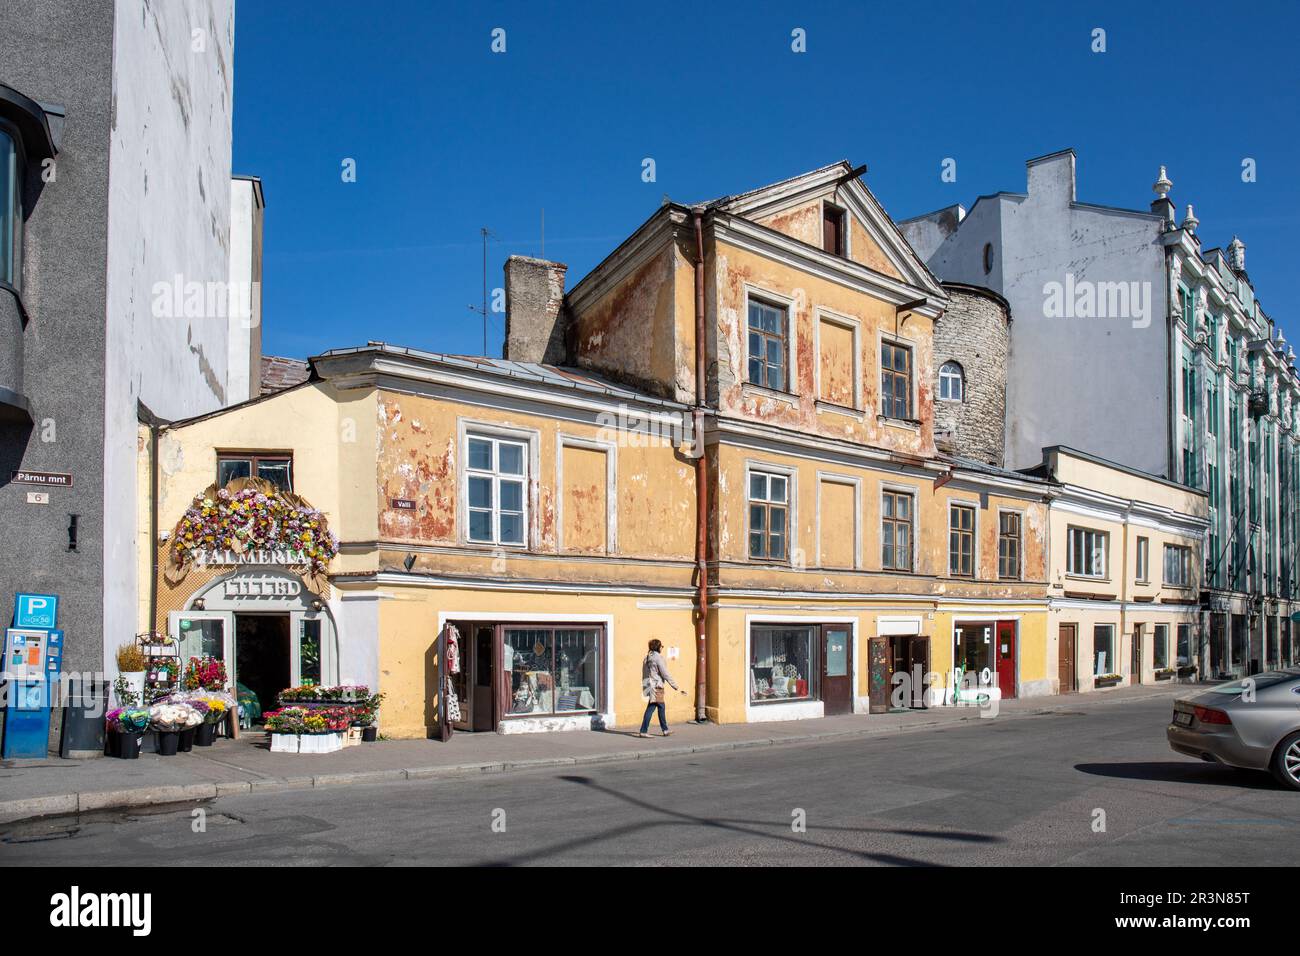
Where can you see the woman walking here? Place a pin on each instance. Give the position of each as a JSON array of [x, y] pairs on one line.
[[653, 675]]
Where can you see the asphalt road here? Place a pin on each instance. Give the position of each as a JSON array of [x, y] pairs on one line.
[[1003, 791]]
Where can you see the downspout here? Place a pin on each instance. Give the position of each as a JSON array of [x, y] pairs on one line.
[[153, 524], [701, 484]]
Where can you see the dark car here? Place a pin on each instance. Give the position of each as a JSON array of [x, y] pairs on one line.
[[1252, 723]]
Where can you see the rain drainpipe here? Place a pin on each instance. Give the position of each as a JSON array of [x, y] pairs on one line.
[[701, 485]]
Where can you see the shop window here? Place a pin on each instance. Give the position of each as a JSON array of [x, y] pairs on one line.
[[767, 345], [769, 506], [896, 531], [1103, 650], [11, 210], [974, 652], [895, 381], [275, 468], [553, 670], [1086, 556], [781, 660], [961, 541], [1178, 566], [496, 479], [309, 652], [952, 382], [1160, 649]]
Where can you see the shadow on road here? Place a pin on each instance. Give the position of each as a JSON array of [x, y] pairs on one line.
[[1180, 771], [659, 816]]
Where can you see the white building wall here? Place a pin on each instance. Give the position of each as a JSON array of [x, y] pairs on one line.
[[168, 223]]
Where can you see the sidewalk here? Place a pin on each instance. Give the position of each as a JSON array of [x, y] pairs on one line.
[[31, 788]]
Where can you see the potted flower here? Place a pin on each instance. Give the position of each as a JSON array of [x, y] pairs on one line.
[[131, 665], [126, 727], [367, 718], [215, 711], [168, 720], [1107, 680], [200, 707], [1165, 673]]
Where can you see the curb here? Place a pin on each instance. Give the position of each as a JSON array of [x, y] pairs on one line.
[[16, 811]]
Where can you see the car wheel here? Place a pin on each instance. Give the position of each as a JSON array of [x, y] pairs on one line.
[[1286, 762]]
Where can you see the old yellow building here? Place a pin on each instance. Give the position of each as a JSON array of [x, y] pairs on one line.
[[1126, 574], [722, 437]]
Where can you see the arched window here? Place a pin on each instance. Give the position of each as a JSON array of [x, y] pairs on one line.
[[11, 210], [952, 382]]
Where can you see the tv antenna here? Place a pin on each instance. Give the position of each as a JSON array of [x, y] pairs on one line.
[[484, 310]]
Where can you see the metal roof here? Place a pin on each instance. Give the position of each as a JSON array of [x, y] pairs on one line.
[[554, 376]]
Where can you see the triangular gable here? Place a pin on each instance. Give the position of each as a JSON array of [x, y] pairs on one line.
[[768, 203]]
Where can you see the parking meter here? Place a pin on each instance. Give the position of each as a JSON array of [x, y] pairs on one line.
[[33, 660]]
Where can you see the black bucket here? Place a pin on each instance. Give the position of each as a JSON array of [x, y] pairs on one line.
[[127, 746], [204, 734], [168, 742], [186, 743]]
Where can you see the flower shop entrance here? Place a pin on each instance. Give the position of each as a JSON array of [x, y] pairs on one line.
[[268, 628]]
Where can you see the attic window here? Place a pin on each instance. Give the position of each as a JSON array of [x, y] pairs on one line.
[[833, 229]]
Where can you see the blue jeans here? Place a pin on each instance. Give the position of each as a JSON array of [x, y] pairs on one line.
[[650, 708]]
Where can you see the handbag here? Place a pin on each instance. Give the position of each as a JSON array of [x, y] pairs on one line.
[[659, 694]]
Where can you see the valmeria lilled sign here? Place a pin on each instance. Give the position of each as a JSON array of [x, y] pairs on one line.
[[286, 556]]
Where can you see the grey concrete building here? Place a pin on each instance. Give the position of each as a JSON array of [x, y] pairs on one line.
[[972, 349], [1134, 343], [115, 292]]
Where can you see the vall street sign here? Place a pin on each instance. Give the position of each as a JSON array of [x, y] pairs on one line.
[[48, 478]]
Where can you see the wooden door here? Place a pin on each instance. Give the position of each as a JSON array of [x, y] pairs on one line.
[[1006, 658], [878, 688], [837, 669], [1067, 639]]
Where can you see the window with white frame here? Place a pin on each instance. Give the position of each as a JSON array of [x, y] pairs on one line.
[[496, 477], [769, 509], [961, 541], [952, 382], [1009, 545], [896, 531], [1143, 569], [768, 342], [1086, 556], [1178, 566]]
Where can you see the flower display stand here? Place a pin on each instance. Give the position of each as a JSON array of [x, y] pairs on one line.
[[307, 743]]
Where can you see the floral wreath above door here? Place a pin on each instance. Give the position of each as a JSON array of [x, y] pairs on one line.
[[250, 521]]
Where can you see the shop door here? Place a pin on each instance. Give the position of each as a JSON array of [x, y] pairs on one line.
[[483, 705], [1135, 664], [203, 634], [837, 669], [918, 666], [1006, 659], [263, 657], [1065, 650]]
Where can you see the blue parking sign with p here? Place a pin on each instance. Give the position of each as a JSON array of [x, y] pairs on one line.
[[36, 610]]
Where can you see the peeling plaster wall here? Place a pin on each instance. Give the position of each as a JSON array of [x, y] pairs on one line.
[[931, 531], [632, 334], [804, 222], [733, 271], [418, 460]]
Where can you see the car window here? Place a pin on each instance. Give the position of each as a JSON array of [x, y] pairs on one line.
[[1260, 681]]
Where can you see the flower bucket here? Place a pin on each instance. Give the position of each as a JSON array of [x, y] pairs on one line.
[[168, 742], [204, 734], [127, 746], [369, 734], [186, 741]]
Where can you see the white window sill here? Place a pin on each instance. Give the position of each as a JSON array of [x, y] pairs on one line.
[[906, 424], [855, 413], [761, 391]]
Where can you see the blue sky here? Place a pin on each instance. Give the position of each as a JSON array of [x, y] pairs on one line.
[[448, 136]]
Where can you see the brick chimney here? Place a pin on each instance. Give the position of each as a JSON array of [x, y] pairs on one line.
[[535, 321]]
